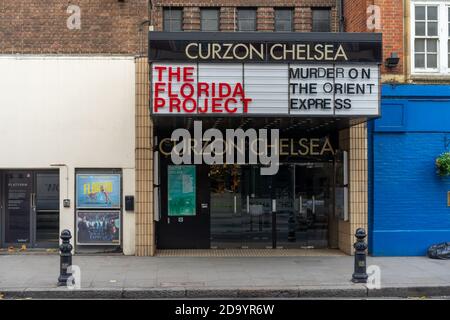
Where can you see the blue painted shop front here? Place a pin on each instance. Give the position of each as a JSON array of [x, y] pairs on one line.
[[408, 209]]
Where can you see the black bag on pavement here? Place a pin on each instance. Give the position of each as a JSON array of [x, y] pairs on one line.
[[439, 251]]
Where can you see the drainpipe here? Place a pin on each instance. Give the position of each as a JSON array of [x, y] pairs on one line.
[[341, 16]]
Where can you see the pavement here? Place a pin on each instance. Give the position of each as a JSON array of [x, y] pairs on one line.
[[129, 277]]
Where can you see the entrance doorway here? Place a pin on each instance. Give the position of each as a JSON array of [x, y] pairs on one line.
[[29, 202], [242, 214]]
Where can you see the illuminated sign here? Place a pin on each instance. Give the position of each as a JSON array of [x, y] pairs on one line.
[[225, 74]]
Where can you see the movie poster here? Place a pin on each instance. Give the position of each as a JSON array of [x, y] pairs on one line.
[[98, 191], [181, 190], [98, 227]]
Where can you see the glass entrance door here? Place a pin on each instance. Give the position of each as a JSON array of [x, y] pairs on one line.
[[242, 200], [257, 208], [46, 209], [226, 206], [31, 208], [306, 223], [18, 207]]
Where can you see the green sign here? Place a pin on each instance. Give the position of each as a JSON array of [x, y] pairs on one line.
[[181, 191]]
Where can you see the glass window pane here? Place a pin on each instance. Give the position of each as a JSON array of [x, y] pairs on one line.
[[432, 61], [246, 25], [432, 13], [173, 19], [420, 13], [246, 19], [432, 28], [419, 60], [321, 20], [246, 13], [210, 25], [209, 19], [420, 28], [283, 25], [419, 45], [209, 13], [285, 14], [283, 19], [432, 45]]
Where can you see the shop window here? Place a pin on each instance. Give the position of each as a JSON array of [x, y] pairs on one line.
[[321, 20], [430, 41], [283, 20], [173, 19], [209, 19], [246, 19]]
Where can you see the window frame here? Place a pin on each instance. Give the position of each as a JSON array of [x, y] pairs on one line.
[[328, 9], [204, 9], [255, 10], [169, 9], [443, 38], [291, 10], [447, 21]]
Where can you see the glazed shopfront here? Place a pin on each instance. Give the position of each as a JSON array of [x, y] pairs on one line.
[[248, 135]]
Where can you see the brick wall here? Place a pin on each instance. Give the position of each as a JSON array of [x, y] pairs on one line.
[[265, 13], [112, 27], [356, 16], [107, 26]]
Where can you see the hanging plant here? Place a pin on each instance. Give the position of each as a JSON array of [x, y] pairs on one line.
[[443, 164]]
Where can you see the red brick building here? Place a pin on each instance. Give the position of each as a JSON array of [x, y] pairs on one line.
[[110, 28]]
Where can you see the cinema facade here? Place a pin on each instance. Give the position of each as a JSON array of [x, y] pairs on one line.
[[301, 100]]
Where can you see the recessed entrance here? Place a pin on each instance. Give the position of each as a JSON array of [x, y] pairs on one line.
[[29, 208], [292, 209]]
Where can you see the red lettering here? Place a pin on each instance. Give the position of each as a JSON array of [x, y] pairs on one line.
[[205, 106], [170, 93], [174, 103], [158, 103], [245, 102], [159, 87], [226, 105], [216, 102], [203, 89], [238, 90], [225, 93], [159, 71], [190, 90], [188, 74], [176, 73], [194, 105]]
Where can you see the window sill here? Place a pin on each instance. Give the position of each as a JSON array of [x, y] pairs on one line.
[[430, 77]]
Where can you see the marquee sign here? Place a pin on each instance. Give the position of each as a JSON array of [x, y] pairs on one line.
[[248, 73]]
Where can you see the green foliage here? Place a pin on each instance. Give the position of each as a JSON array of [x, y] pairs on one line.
[[443, 164]]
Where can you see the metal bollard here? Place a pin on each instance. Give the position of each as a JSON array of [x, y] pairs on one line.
[[65, 257], [360, 274]]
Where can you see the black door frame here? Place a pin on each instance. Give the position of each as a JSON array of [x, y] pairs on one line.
[[32, 210]]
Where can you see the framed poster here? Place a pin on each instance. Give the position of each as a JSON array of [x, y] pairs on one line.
[[181, 190], [98, 191], [98, 227]]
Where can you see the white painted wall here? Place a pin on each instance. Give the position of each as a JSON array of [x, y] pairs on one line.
[[78, 111]]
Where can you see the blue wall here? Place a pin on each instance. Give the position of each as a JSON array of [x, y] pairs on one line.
[[408, 201]]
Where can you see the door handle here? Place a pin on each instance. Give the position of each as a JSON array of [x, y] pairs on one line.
[[248, 204], [313, 204], [235, 204], [33, 201], [300, 205]]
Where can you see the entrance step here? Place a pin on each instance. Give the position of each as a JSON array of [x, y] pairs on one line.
[[249, 252]]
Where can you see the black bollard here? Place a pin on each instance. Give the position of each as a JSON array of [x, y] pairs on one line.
[[360, 274], [65, 257]]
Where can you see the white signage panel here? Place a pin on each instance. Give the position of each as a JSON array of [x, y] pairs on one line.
[[266, 85], [265, 89]]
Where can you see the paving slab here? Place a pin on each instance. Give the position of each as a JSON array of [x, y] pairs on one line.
[[115, 276]]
